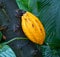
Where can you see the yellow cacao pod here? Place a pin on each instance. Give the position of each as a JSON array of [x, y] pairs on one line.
[[33, 28]]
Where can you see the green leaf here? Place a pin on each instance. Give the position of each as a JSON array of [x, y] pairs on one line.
[[48, 11], [25, 4], [6, 51], [0, 35], [48, 52]]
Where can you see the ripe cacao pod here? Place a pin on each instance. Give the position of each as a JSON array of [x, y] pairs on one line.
[[33, 28]]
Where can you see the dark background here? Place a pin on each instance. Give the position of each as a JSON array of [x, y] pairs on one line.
[[22, 48]]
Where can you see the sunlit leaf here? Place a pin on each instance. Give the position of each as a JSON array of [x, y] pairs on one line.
[[6, 51]]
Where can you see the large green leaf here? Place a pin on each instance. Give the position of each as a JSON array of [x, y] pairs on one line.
[[48, 11]]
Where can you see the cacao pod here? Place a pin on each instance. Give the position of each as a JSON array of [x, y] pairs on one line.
[[33, 28]]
